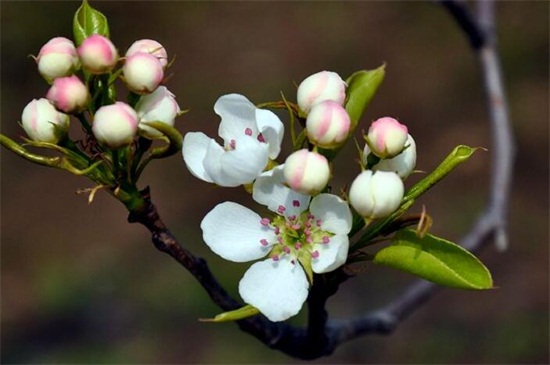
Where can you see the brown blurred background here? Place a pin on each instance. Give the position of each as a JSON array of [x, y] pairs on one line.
[[81, 285]]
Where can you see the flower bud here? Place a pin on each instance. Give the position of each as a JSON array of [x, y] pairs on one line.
[[387, 137], [159, 106], [327, 124], [403, 164], [43, 123], [306, 172], [57, 58], [322, 86], [143, 72], [69, 94], [149, 46], [97, 54], [376, 195], [115, 125]]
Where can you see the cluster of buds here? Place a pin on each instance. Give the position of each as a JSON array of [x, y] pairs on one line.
[[81, 80], [389, 154]]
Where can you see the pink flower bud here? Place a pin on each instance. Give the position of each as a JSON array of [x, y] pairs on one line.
[[403, 164], [69, 94], [376, 195], [143, 72], [306, 172], [115, 125], [387, 137], [97, 54], [322, 86], [327, 124], [159, 106], [57, 58], [149, 46], [43, 123]]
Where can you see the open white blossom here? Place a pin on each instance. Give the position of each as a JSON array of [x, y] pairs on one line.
[[306, 235], [251, 137]]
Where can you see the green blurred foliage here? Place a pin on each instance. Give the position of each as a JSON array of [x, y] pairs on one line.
[[81, 285]]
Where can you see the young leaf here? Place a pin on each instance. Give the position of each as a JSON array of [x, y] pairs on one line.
[[436, 260], [88, 21], [362, 86], [234, 315]]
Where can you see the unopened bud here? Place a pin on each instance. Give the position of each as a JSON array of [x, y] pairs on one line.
[[327, 124], [403, 164], [386, 137], [98, 54], [149, 46], [306, 172], [376, 195], [43, 123], [57, 58], [69, 94], [115, 125], [143, 73], [322, 86], [159, 106]]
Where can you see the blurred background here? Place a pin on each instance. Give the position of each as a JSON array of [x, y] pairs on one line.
[[81, 285]]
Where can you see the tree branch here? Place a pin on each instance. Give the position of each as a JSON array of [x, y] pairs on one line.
[[323, 336]]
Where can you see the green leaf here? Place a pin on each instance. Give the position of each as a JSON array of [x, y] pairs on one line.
[[234, 315], [362, 86], [88, 21], [436, 260]]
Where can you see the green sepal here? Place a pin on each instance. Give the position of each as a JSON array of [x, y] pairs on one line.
[[234, 315], [459, 155], [362, 85], [435, 259], [88, 21]]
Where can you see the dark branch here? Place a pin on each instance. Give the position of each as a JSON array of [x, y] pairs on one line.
[[323, 336]]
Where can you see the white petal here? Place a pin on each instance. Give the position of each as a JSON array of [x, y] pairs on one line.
[[272, 129], [277, 288], [332, 255], [195, 145], [236, 167], [234, 232], [237, 113], [269, 190], [334, 213]]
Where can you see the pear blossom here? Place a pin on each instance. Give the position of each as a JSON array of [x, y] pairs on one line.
[[403, 164], [251, 137], [305, 236], [386, 137], [306, 171], [98, 54], [159, 106], [149, 46], [328, 124], [376, 194], [319, 87], [57, 58], [69, 94], [43, 123], [142, 72], [115, 125]]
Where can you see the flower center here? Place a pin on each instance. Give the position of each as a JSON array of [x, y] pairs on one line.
[[295, 235]]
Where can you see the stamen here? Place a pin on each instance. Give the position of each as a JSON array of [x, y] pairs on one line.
[[261, 138], [296, 226], [298, 246], [265, 222], [248, 131], [309, 239], [292, 217], [280, 240], [286, 249], [277, 230], [295, 203], [318, 222], [326, 239], [281, 209], [232, 144], [315, 254], [275, 258], [292, 262], [263, 241]]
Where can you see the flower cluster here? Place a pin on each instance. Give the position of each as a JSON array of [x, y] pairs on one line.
[[82, 80], [309, 230]]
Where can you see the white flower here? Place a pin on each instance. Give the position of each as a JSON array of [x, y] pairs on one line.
[[159, 106], [319, 87], [403, 164], [43, 123], [251, 136], [115, 125], [149, 46], [306, 171], [57, 58], [298, 241], [376, 195]]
